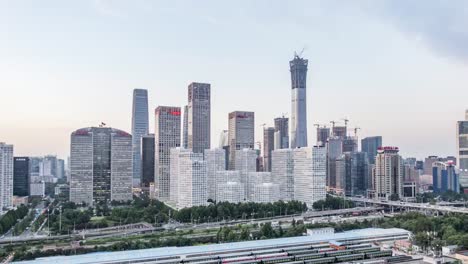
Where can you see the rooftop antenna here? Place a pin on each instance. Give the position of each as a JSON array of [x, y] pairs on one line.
[[300, 53]]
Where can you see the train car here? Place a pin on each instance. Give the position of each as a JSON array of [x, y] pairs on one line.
[[366, 250], [237, 259], [398, 259], [278, 260], [269, 256], [310, 256], [302, 252], [320, 260], [199, 259], [339, 253], [213, 261], [379, 254], [327, 249], [351, 257], [358, 246], [235, 255]]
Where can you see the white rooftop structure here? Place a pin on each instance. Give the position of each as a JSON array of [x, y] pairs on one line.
[[130, 256]]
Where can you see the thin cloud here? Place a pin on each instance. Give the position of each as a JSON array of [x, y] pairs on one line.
[[441, 25]]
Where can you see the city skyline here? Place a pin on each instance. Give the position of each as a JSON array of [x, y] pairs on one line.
[[414, 67]]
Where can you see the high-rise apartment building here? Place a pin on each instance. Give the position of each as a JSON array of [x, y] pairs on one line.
[[281, 132], [387, 175], [147, 160], [268, 146], [101, 168], [310, 174], [334, 151], [253, 180], [246, 162], [340, 131], [266, 192], [140, 127], [462, 147], [199, 117], [232, 192], [282, 172], [444, 177], [298, 69], [191, 178], [241, 134], [215, 161], [6, 175], [370, 145], [21, 176], [166, 136]]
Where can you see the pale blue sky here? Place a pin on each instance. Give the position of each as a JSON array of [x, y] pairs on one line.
[[395, 68]]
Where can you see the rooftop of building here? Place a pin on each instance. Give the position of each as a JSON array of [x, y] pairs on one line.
[[134, 255]]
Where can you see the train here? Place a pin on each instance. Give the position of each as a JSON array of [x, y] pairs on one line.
[[295, 257]]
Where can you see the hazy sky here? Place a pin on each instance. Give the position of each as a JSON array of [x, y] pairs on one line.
[[395, 68]]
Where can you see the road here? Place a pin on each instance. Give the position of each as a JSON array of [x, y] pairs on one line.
[[419, 206]]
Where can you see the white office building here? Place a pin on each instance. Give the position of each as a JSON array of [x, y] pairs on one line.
[[191, 178], [174, 173], [254, 179], [232, 192], [309, 174], [266, 192], [215, 161], [246, 161], [6, 175], [282, 172]]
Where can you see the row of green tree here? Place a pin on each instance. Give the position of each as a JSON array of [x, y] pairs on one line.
[[332, 203], [9, 219]]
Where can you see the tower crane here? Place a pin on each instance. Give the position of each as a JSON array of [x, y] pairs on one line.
[[346, 120], [356, 130]]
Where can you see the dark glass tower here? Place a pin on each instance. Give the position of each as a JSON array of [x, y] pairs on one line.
[[370, 145], [21, 176], [147, 160], [139, 128]]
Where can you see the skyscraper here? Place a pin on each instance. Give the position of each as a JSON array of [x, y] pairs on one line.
[[309, 174], [370, 145], [323, 133], [246, 162], [268, 146], [140, 127], [462, 147], [199, 117], [215, 161], [147, 160], [21, 176], [191, 178], [444, 177], [6, 175], [281, 132], [282, 172], [241, 134], [185, 128], [166, 136], [387, 175], [298, 69], [100, 165]]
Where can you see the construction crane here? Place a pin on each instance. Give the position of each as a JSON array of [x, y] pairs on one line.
[[356, 130], [284, 115], [333, 123], [317, 125], [346, 120], [263, 125]]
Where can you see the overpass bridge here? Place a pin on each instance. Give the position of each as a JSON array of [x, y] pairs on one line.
[[406, 205]]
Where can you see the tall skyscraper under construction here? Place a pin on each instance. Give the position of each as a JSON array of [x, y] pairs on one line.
[[298, 68]]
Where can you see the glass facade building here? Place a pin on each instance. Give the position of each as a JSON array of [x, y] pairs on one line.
[[140, 128], [21, 176]]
